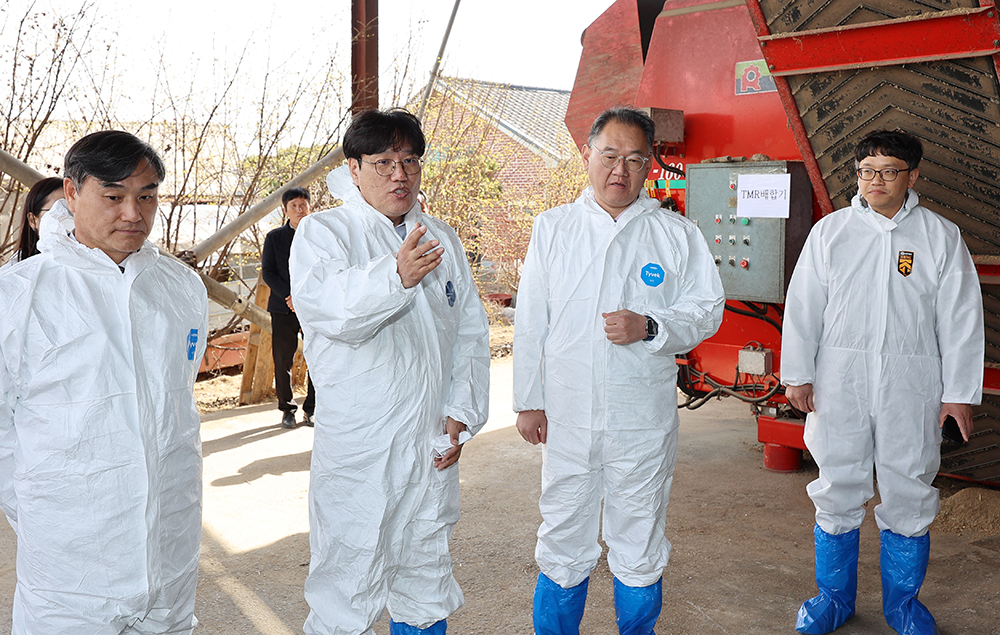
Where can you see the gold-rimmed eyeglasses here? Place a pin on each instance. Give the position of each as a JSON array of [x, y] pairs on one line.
[[385, 167], [633, 162]]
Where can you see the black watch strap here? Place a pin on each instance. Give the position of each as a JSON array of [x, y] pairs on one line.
[[652, 328]]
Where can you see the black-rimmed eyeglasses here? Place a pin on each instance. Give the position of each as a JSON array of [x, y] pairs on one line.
[[886, 174]]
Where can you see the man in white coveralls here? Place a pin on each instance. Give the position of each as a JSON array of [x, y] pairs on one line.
[[100, 454], [613, 287], [883, 340], [398, 346]]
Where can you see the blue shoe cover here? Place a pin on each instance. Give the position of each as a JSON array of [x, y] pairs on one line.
[[402, 628], [558, 611], [637, 607], [837, 579], [904, 565]]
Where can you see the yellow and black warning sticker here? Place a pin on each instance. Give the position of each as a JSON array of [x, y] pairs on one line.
[[905, 262]]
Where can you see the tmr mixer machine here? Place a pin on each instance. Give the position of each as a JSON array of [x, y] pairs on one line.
[[747, 94]]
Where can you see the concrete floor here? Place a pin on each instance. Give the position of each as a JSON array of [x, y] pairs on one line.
[[741, 563]]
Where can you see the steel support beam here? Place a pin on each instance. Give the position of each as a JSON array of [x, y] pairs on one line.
[[927, 37], [244, 221], [364, 55]]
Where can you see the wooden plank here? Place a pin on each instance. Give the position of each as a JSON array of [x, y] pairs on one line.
[[263, 374], [253, 347]]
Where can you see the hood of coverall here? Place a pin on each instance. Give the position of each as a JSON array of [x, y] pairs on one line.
[[341, 185]]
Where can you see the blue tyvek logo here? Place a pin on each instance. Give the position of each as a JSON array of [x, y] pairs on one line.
[[652, 275], [449, 290], [192, 343]]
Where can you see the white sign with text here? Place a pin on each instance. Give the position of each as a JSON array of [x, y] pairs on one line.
[[763, 195]]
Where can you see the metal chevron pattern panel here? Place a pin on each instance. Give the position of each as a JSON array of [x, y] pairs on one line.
[[953, 106]]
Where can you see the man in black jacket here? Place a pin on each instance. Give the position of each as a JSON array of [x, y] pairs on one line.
[[284, 322]]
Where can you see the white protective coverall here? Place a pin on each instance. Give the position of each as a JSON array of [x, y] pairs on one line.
[[100, 452], [882, 350], [611, 409], [389, 365]]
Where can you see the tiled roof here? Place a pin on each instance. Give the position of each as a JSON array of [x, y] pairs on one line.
[[535, 116]]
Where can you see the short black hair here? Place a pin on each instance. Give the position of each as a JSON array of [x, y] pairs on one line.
[[293, 193], [109, 155], [627, 116], [375, 131], [890, 143]]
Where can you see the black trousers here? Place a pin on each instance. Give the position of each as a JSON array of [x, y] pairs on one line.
[[284, 341]]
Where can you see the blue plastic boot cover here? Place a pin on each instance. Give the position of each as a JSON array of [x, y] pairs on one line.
[[637, 607], [402, 628], [558, 611], [904, 564], [837, 579]]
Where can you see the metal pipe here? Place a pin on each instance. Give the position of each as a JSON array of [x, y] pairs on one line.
[[19, 170], [437, 63], [229, 299], [250, 217], [364, 55], [23, 174]]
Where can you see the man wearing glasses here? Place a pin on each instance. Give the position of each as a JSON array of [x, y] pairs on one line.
[[398, 347], [612, 288], [883, 341]]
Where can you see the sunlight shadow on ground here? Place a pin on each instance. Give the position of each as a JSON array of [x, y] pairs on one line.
[[275, 466], [223, 589]]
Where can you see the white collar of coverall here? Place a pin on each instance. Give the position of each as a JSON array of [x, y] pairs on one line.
[[55, 236], [642, 204], [878, 220]]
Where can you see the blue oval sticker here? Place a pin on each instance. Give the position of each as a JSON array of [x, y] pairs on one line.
[[449, 290]]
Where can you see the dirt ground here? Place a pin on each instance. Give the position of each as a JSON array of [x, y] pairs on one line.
[[742, 537]]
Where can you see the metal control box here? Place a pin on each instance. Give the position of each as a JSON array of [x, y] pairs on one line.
[[755, 361], [755, 256]]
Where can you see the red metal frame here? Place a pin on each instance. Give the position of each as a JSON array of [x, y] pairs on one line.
[[784, 432], [610, 68], [820, 191], [991, 380], [922, 38], [996, 58], [988, 273]]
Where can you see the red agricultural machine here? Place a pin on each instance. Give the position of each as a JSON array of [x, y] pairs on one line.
[[743, 91]]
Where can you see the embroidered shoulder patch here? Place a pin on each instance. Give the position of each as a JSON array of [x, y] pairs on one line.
[[904, 264]]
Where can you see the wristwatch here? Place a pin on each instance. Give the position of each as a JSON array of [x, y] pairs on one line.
[[652, 328]]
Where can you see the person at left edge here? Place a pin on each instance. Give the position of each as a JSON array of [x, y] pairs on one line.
[[101, 338], [284, 321], [39, 200]]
